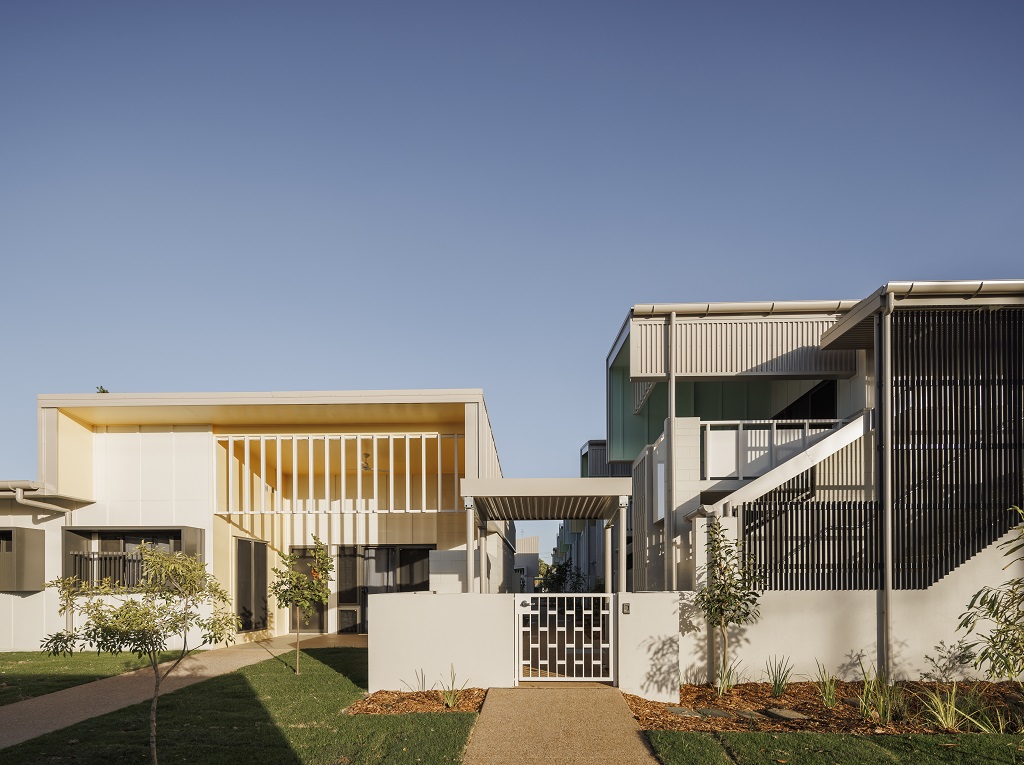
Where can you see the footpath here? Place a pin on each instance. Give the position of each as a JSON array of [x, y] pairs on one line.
[[565, 723]]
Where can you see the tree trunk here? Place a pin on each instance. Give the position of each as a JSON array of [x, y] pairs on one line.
[[725, 647], [152, 710], [298, 639]]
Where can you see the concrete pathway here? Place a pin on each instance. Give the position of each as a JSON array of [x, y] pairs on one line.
[[27, 719], [563, 723]]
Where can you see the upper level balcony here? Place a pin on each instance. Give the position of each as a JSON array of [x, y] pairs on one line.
[[746, 449]]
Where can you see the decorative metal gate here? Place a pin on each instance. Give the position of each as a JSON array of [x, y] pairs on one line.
[[566, 637]]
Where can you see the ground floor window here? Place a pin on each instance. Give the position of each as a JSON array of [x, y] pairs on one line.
[[251, 584], [94, 556]]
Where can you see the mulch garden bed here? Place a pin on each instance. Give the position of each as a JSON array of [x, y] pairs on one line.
[[400, 703], [803, 697]]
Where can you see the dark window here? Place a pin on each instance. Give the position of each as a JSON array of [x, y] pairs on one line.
[[251, 584], [6, 541], [348, 564]]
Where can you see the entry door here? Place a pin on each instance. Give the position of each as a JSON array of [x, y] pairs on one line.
[[378, 576], [317, 620], [566, 637]]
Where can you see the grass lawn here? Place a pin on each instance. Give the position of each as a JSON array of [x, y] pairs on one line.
[[25, 674], [674, 748], [261, 714]]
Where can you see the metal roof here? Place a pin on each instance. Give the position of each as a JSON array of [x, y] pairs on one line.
[[547, 499]]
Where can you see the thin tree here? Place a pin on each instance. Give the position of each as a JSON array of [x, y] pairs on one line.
[[167, 603], [729, 596], [295, 588]]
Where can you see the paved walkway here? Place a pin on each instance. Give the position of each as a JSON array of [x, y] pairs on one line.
[[563, 723], [44, 714]]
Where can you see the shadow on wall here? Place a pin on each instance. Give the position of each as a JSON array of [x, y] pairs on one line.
[[662, 675], [700, 641]]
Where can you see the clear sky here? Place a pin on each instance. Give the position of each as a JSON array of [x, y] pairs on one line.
[[329, 195]]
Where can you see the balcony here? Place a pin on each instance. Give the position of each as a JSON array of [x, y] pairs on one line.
[[746, 449], [124, 568]]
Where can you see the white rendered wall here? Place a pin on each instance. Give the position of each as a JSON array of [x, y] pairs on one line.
[[424, 633], [648, 645], [159, 476], [839, 628]]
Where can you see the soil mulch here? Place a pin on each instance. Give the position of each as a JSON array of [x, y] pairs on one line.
[[803, 697], [400, 703]]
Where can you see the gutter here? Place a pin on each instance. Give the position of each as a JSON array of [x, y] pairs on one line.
[[762, 308], [20, 487]]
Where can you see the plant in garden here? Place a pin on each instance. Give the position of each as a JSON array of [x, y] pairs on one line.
[[940, 708], [295, 588], [451, 691], [1001, 611], [169, 602], [726, 678], [562, 577], [881, 701], [778, 670], [729, 596], [826, 683]]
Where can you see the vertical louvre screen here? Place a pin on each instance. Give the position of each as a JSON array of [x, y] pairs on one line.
[[813, 545], [958, 436]]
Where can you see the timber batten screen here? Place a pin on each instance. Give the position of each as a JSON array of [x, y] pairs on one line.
[[339, 473], [958, 436]]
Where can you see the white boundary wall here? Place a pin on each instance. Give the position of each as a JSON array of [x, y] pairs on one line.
[[648, 645], [838, 628], [430, 633]]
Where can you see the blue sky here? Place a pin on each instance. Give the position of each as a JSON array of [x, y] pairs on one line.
[[267, 196]]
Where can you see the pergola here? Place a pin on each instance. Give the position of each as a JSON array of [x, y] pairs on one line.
[[545, 499]]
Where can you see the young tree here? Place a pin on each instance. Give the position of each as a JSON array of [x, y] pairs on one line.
[[562, 577], [1001, 609], [303, 591], [729, 596], [175, 596]]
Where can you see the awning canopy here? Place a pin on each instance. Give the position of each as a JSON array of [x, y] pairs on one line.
[[547, 499]]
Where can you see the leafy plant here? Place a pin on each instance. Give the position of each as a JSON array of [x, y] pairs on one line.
[[949, 661], [941, 709], [826, 683], [562, 577], [1000, 647], [451, 691], [304, 591], [881, 701], [778, 669], [421, 681], [729, 596], [175, 596], [726, 678]]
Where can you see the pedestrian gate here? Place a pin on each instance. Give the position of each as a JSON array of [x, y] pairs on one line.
[[566, 637]]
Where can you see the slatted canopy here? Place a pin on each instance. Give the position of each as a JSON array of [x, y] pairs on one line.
[[547, 499]]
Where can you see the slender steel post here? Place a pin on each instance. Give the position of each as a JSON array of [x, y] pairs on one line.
[[671, 577], [470, 506], [883, 371], [608, 556], [623, 504]]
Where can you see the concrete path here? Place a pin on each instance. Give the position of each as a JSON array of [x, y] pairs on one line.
[[27, 719], [561, 723]]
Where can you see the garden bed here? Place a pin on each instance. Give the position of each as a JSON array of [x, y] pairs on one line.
[[400, 703], [805, 698]]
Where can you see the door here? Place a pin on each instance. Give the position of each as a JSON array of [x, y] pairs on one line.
[[566, 637]]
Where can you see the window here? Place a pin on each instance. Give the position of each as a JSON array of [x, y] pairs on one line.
[[94, 554], [251, 584]]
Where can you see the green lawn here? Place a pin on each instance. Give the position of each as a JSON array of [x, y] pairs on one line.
[[262, 714], [25, 674], [675, 748]]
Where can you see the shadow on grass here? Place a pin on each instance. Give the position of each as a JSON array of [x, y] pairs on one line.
[[350, 662], [219, 720]]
